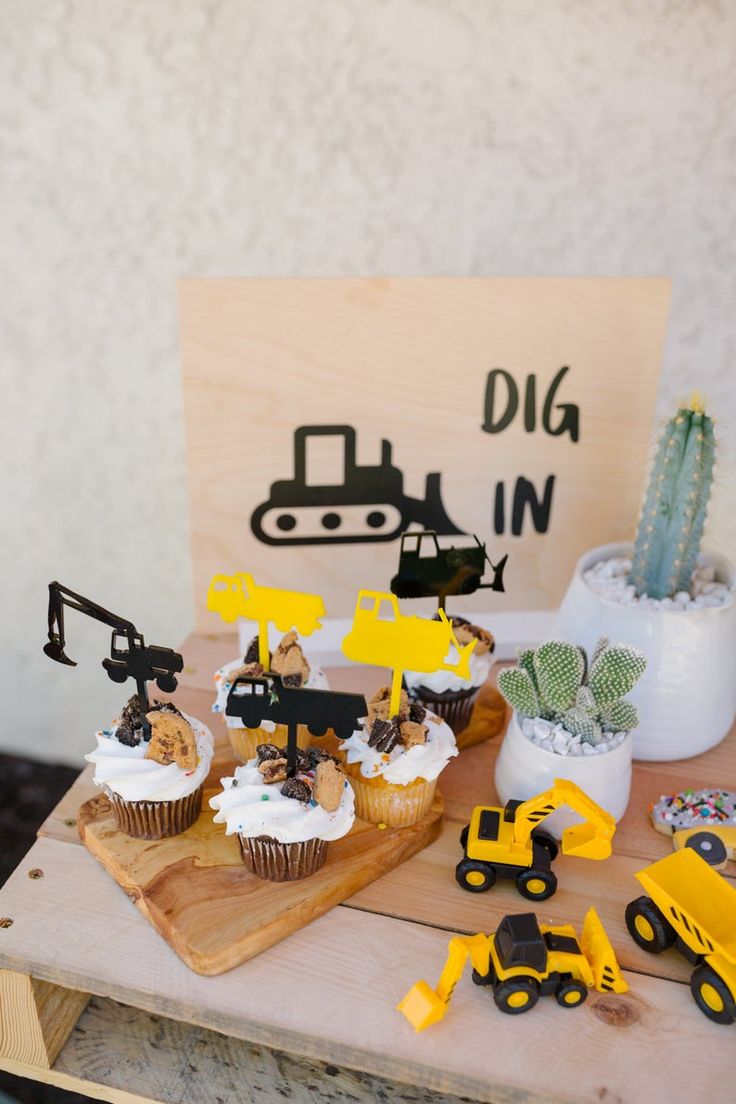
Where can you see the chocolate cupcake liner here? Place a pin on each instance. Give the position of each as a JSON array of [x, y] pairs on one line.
[[282, 862], [156, 819], [453, 706], [244, 741], [380, 802]]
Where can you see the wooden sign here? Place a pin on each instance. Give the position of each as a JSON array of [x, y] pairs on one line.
[[325, 416]]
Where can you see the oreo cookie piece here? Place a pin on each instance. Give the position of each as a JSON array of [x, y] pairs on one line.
[[384, 735], [294, 787], [302, 758], [127, 735], [252, 655], [268, 751]]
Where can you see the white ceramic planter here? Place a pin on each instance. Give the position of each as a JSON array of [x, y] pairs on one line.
[[524, 770], [687, 695]]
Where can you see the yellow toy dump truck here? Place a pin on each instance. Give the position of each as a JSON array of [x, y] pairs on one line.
[[522, 961], [689, 905], [509, 843]]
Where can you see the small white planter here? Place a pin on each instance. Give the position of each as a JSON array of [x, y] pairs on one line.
[[524, 770], [687, 695]]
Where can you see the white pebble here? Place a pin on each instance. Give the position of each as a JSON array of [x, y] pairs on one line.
[[609, 579]]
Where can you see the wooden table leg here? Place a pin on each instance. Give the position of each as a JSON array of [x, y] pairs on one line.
[[36, 1018]]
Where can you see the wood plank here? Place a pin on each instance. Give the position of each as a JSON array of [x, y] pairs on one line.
[[425, 890], [329, 992], [35, 1017], [126, 1056], [195, 891]]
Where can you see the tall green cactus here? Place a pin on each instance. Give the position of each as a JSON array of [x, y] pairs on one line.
[[672, 518], [557, 684]]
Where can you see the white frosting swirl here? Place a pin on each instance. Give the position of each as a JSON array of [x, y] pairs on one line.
[[251, 807], [127, 772], [440, 681], [404, 765], [317, 681]]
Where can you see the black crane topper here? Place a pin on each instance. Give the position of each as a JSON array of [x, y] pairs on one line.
[[130, 656], [442, 571], [255, 699]]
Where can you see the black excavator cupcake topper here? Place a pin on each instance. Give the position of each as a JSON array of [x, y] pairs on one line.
[[130, 656], [428, 571], [255, 699]]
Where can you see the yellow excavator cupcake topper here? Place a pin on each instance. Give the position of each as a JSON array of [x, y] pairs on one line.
[[234, 596], [382, 635]]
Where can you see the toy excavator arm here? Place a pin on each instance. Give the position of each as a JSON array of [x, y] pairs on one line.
[[423, 1006], [589, 840], [596, 947], [60, 596]]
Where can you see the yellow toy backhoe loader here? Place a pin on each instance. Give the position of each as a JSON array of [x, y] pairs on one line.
[[522, 961], [508, 842], [689, 905]]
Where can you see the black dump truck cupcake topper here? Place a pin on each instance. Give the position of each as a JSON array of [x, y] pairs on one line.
[[254, 699], [130, 656], [428, 571]]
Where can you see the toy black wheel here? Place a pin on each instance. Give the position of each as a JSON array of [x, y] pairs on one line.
[[569, 994], [709, 847], [406, 588], [648, 927], [482, 979], [474, 876], [548, 842], [464, 836], [516, 995], [712, 996], [167, 683], [536, 885]]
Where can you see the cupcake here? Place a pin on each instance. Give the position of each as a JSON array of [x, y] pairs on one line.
[[284, 824], [154, 786], [291, 664], [448, 695], [393, 763]]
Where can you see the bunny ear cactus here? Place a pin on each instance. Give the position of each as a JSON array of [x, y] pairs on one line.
[[519, 691], [676, 501], [559, 668], [615, 672], [557, 683]]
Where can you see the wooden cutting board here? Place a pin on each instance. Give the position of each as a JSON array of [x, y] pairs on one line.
[[196, 892]]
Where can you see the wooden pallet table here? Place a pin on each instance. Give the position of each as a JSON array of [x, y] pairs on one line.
[[315, 1013]]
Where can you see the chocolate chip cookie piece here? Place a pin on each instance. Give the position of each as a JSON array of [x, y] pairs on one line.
[[273, 770]]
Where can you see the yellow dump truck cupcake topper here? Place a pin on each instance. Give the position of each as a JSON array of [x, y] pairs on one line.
[[383, 636], [234, 596]]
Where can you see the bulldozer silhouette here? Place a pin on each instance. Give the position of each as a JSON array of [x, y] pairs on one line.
[[368, 505]]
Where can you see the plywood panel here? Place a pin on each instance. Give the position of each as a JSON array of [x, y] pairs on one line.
[[407, 361]]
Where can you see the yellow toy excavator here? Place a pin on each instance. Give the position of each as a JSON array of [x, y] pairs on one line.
[[522, 961], [508, 842]]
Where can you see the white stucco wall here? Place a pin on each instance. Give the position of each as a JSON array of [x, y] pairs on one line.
[[143, 141]]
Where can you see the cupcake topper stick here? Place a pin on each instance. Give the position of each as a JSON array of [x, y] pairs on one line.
[[234, 596], [382, 635], [428, 571], [135, 660], [254, 699]]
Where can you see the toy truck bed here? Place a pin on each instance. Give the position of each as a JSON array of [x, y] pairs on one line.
[[691, 894]]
